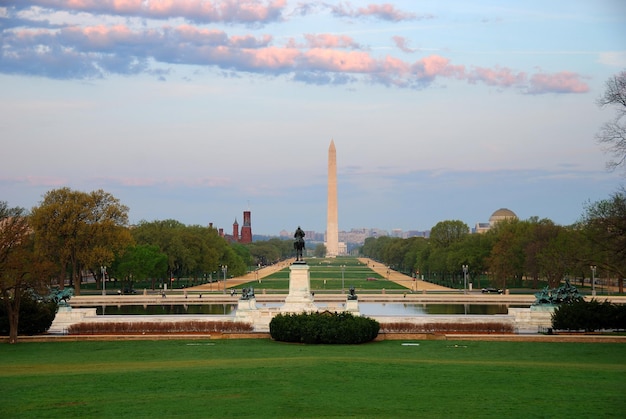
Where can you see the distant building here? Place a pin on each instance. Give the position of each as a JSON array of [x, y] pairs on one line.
[[499, 215], [246, 230]]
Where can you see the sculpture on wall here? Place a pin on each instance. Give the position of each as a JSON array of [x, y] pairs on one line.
[[565, 294]]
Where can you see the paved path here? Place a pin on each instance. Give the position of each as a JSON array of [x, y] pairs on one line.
[[400, 278], [250, 276]]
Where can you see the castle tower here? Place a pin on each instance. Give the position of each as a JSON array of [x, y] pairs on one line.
[[246, 229], [332, 227], [235, 230]]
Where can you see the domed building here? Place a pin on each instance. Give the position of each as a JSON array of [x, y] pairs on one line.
[[499, 215]]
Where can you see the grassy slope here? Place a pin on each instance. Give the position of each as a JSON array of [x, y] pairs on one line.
[[259, 378]]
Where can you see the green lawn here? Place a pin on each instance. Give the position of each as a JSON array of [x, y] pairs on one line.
[[266, 379], [326, 274]]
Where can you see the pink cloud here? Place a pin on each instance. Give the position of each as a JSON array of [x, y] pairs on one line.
[[563, 82], [435, 65], [330, 41], [503, 77], [244, 11], [273, 58], [386, 12], [339, 61], [381, 11], [94, 51], [402, 44]]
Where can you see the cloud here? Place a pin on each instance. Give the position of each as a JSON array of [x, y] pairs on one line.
[[501, 77], [73, 51], [330, 41], [402, 44], [200, 11], [380, 11], [613, 58], [36, 181], [563, 82]]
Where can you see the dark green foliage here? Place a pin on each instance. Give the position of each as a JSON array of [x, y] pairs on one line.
[[36, 316], [327, 328], [590, 316]]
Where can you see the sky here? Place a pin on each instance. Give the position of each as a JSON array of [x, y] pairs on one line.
[[198, 110]]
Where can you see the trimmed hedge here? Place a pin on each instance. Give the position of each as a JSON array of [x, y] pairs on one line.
[[483, 327], [157, 327], [589, 316], [325, 328]]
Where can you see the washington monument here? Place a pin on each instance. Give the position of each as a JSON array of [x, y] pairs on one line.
[[332, 228]]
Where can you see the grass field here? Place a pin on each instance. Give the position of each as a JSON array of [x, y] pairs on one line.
[[327, 274], [267, 379]]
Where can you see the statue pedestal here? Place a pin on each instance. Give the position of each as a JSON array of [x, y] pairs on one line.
[[243, 305], [299, 299], [352, 306]]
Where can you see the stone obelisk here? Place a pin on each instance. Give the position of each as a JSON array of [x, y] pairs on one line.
[[332, 227]]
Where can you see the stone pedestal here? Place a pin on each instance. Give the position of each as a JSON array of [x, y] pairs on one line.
[[533, 319], [352, 306], [300, 298], [67, 316], [246, 305]]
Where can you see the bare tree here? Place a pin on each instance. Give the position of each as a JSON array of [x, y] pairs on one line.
[[612, 135]]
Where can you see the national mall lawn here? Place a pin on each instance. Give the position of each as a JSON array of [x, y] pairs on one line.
[[262, 378]]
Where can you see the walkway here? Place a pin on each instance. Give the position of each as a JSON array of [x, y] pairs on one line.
[[400, 278], [250, 276]]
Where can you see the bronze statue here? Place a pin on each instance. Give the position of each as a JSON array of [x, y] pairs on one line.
[[298, 244]]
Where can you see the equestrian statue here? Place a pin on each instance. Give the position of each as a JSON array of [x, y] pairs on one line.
[[298, 244]]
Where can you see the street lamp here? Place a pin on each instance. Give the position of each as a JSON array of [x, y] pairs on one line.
[[103, 270], [224, 270], [343, 268], [465, 267], [593, 280]]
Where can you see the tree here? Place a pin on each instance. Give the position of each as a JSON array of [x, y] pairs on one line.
[[141, 262], [612, 135], [445, 233], [604, 225], [20, 269], [506, 259], [80, 231], [191, 250], [319, 251]]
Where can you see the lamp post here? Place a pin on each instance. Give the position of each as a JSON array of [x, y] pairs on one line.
[[465, 268], [103, 269], [224, 270], [593, 280], [343, 268]]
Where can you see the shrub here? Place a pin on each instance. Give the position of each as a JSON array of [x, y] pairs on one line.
[[36, 315], [328, 328], [438, 327], [97, 328], [589, 316]]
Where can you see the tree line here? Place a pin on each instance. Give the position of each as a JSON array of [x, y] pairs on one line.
[[534, 249], [73, 233]]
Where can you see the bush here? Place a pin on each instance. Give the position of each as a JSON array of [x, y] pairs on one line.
[[328, 328], [589, 316], [36, 315], [106, 328], [438, 327]]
